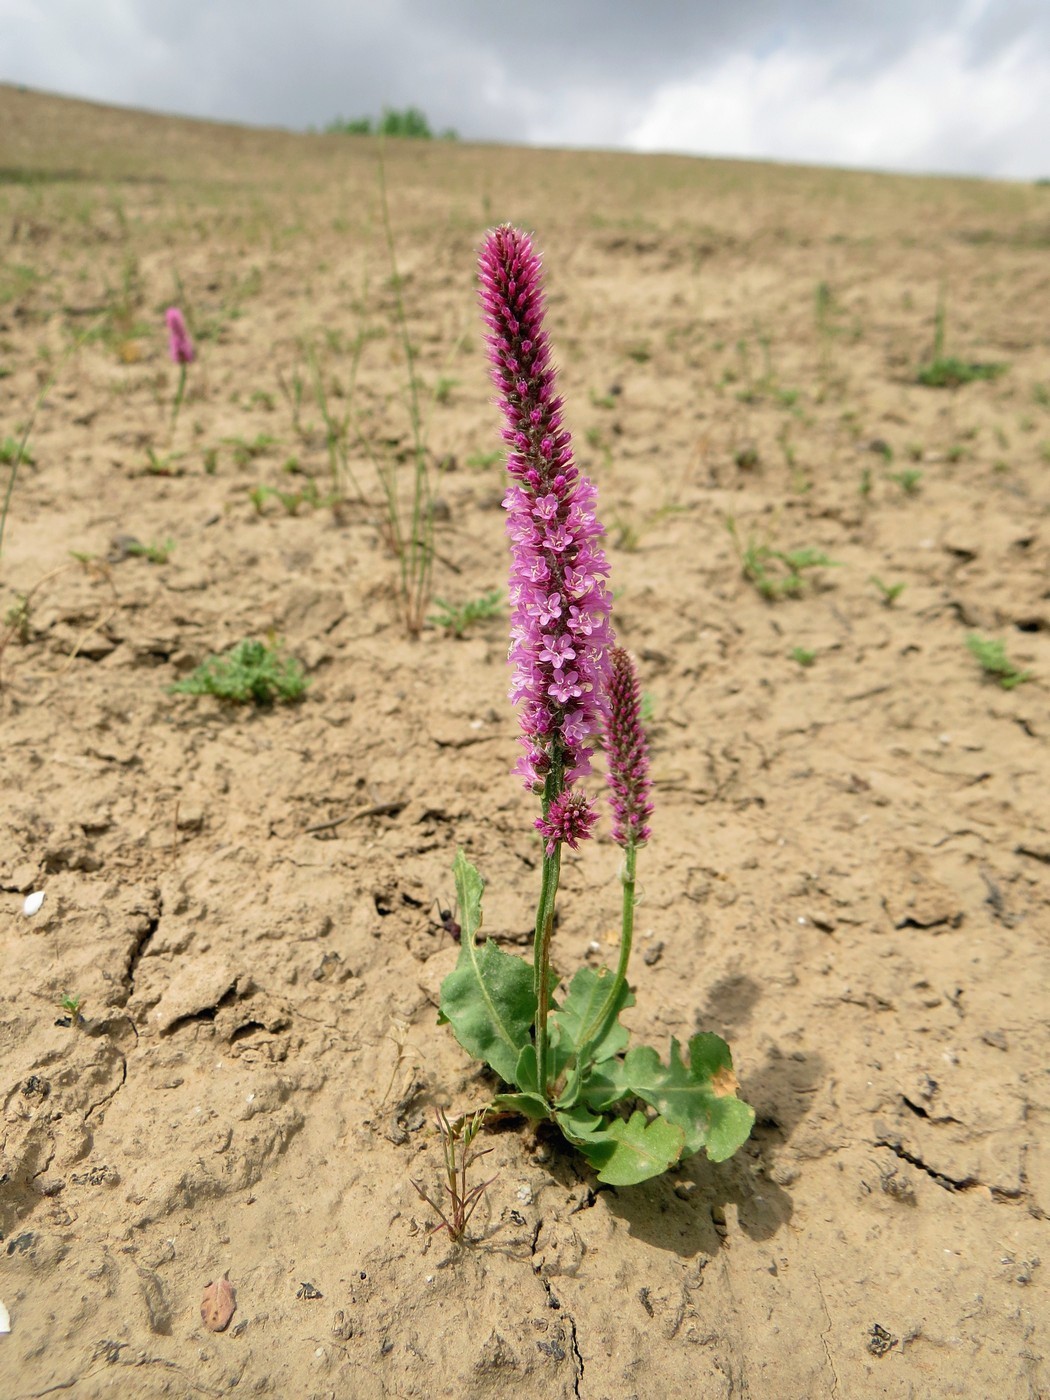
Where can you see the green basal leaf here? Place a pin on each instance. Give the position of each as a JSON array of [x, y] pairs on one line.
[[526, 1071], [577, 1017], [488, 998], [700, 1098], [530, 1105], [605, 1085], [624, 1153]]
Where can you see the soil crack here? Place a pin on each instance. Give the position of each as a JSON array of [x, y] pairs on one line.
[[141, 944], [948, 1182], [577, 1357], [824, 1336]]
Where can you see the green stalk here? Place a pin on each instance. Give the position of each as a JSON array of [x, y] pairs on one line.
[[542, 951], [178, 398], [541, 948], [603, 1021]]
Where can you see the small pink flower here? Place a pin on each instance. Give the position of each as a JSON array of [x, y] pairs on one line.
[[180, 346]]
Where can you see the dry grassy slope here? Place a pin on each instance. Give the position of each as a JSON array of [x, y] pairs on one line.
[[848, 875]]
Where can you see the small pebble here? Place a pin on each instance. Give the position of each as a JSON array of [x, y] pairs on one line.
[[33, 903]]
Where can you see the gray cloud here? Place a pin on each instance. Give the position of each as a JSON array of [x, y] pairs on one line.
[[795, 79]]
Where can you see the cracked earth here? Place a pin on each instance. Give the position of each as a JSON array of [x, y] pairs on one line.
[[849, 876]]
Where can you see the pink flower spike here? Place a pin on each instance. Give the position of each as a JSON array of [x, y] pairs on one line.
[[627, 752], [556, 560], [569, 818], [180, 346]]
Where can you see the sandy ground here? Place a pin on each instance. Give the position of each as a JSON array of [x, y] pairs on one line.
[[849, 871]]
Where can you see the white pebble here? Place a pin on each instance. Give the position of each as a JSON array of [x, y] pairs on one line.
[[33, 903]]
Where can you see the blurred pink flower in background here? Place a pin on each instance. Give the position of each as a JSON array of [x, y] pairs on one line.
[[180, 346]]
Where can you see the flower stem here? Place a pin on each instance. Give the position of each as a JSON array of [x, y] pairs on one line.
[[541, 948], [178, 398], [600, 1025]]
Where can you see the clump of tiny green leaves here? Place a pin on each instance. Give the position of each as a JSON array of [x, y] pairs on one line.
[[909, 479], [990, 653], [456, 618], [251, 673], [776, 573], [803, 656], [949, 372]]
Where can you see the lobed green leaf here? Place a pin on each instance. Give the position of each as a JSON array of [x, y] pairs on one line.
[[624, 1153], [699, 1097]]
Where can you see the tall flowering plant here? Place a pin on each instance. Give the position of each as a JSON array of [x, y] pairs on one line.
[[180, 352], [568, 1059]]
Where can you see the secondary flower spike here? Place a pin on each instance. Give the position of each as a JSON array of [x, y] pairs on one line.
[[180, 346], [628, 753], [569, 818], [560, 629]]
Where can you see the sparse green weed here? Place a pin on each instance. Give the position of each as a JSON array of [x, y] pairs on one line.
[[990, 654], [245, 451], [943, 371], [803, 656], [156, 553], [455, 619], [776, 573]]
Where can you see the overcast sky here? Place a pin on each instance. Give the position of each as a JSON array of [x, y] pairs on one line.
[[926, 85]]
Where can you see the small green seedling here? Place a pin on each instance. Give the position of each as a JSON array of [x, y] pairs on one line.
[[251, 672], [455, 620], [909, 480], [803, 656], [463, 1203], [156, 553], [16, 619], [163, 466], [991, 655], [890, 591], [443, 389], [71, 1004]]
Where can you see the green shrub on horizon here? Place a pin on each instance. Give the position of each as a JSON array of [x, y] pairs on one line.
[[410, 122]]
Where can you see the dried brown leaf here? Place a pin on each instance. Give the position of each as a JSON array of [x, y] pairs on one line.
[[218, 1304]]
